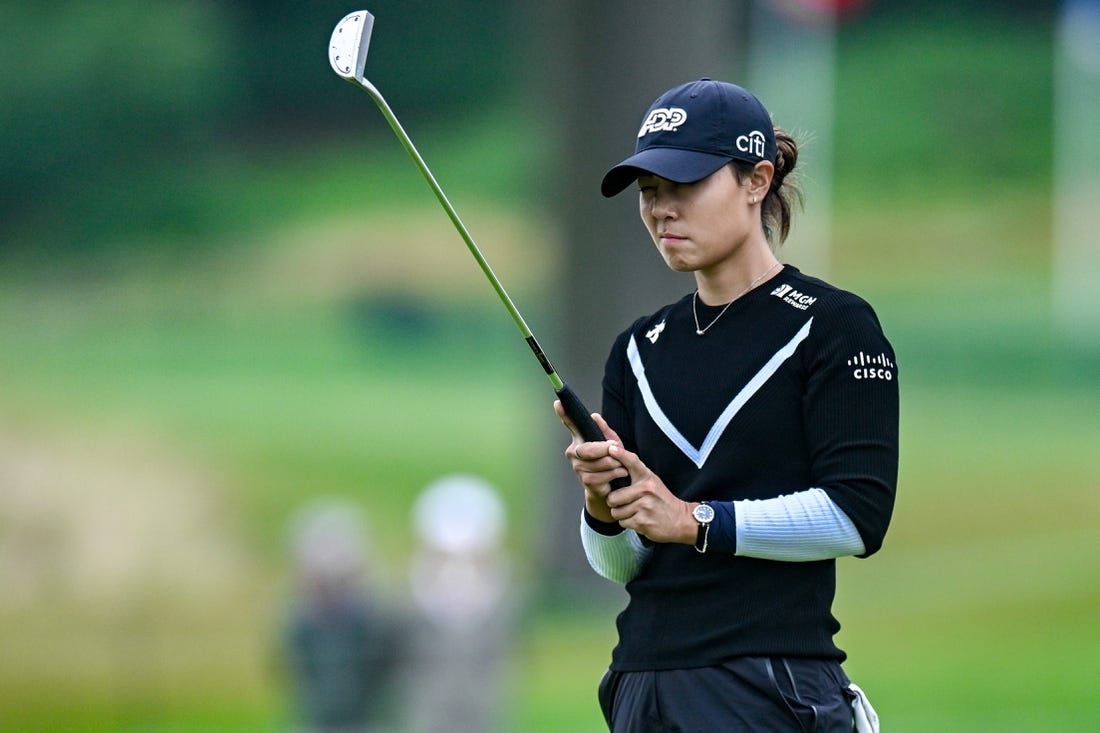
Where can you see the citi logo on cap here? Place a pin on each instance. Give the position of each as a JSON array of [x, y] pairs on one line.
[[753, 143], [663, 119]]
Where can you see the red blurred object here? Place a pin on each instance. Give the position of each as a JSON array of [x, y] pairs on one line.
[[837, 6], [811, 10]]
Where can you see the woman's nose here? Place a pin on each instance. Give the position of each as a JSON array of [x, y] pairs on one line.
[[662, 205]]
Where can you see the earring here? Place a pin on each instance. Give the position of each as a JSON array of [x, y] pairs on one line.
[[753, 200]]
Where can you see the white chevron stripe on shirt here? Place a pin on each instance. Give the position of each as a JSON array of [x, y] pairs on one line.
[[699, 455]]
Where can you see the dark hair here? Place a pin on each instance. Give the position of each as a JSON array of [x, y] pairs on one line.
[[784, 193]]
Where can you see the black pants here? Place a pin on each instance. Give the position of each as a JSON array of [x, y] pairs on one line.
[[750, 694]]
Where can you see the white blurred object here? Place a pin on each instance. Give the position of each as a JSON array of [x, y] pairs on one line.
[[462, 590], [459, 514], [1076, 265], [330, 542], [459, 575]]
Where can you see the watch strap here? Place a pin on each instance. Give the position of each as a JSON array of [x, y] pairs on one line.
[[703, 534], [701, 537]]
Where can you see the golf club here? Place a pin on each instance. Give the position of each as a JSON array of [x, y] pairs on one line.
[[348, 56]]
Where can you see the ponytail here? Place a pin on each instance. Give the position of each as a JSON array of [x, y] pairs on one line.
[[783, 194]]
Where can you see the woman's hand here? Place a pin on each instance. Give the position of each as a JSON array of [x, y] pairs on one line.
[[646, 505], [594, 466]]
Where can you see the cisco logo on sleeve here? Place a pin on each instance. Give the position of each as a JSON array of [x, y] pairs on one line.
[[866, 366]]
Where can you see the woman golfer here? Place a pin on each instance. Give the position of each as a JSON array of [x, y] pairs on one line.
[[756, 420]]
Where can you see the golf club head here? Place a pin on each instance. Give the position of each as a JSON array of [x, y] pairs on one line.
[[347, 49]]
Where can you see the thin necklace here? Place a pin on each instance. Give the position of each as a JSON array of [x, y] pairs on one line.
[[700, 331]]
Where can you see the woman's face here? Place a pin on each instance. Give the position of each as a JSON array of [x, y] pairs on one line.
[[701, 225]]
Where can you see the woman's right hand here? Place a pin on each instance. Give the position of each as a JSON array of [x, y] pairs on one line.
[[593, 464]]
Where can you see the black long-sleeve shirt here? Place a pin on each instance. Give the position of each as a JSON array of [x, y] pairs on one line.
[[793, 387]]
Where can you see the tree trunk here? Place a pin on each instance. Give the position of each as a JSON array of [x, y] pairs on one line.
[[596, 68]]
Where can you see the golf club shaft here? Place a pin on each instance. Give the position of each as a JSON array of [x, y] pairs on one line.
[[574, 408]]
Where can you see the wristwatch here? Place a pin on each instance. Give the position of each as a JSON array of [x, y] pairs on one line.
[[704, 515]]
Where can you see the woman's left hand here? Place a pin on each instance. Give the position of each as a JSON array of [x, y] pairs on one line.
[[647, 506]]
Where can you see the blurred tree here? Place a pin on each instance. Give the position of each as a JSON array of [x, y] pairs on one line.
[[429, 59], [113, 112], [95, 91], [597, 67], [955, 107]]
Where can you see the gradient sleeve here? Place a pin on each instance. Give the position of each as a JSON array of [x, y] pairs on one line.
[[850, 413], [797, 527]]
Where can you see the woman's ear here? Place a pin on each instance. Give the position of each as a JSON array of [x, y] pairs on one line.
[[760, 180]]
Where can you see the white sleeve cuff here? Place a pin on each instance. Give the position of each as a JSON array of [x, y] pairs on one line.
[[616, 557]]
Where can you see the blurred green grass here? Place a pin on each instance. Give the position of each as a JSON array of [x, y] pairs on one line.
[[978, 615], [288, 354]]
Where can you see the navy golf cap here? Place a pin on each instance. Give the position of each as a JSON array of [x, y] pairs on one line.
[[694, 129]]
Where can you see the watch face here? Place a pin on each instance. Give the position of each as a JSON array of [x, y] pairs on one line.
[[703, 513]]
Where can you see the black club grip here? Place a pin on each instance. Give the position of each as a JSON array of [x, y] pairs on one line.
[[581, 417]]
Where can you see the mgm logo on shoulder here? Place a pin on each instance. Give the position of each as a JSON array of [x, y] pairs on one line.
[[792, 297]]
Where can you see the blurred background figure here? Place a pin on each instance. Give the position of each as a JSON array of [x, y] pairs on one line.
[[463, 603], [340, 643]]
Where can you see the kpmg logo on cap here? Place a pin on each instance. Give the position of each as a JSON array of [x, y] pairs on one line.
[[663, 118], [753, 143]]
